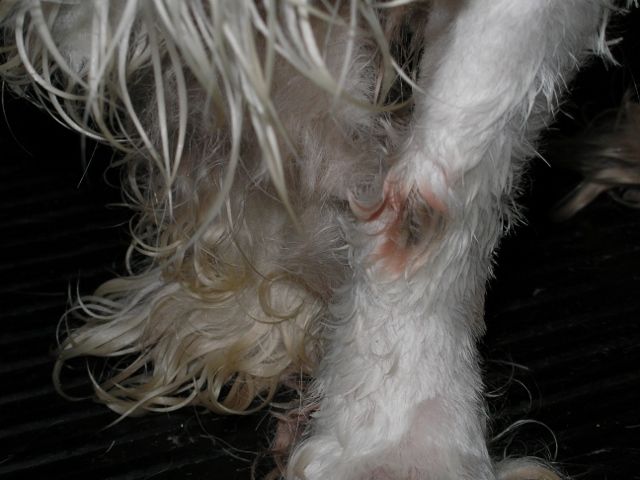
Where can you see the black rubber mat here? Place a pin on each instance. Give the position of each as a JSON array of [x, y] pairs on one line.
[[563, 342]]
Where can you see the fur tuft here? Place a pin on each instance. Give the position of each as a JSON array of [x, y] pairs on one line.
[[607, 156]]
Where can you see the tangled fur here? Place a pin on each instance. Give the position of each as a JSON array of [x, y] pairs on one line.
[[185, 101], [317, 188]]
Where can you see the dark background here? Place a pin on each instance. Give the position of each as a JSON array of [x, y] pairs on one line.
[[562, 348]]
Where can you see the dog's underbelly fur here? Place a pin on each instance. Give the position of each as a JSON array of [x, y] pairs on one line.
[[291, 223]]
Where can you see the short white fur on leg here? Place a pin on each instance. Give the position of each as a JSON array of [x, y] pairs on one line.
[[318, 188], [400, 383]]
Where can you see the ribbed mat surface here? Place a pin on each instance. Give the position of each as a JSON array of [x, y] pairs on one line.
[[565, 306]]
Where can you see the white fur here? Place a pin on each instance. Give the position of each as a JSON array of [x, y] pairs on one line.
[[249, 129], [400, 383]]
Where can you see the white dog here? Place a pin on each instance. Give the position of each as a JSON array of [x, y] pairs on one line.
[[318, 186]]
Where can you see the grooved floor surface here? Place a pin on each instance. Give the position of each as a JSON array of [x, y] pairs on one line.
[[562, 348]]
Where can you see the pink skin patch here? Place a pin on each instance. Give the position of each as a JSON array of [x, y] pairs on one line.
[[408, 213], [428, 450], [291, 425]]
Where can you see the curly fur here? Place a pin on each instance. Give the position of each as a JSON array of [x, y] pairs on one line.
[[317, 188], [247, 284]]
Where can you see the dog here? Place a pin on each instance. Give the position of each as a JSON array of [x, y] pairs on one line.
[[317, 191]]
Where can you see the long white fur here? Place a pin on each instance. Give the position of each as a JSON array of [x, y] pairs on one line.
[[291, 220]]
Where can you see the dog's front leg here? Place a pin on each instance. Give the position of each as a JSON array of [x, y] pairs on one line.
[[400, 386]]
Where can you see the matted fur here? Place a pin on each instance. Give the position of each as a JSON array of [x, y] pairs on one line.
[[221, 287], [318, 188]]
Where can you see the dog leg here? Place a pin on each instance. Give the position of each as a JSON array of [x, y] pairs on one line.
[[400, 384]]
